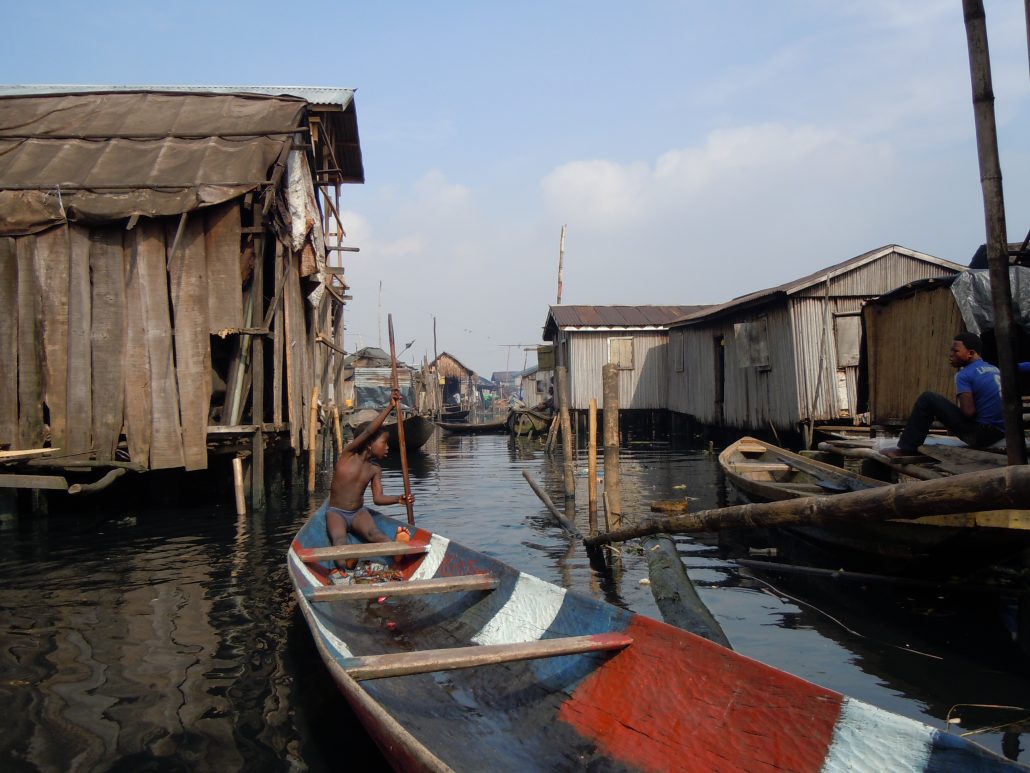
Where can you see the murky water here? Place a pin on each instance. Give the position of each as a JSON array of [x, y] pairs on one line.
[[168, 639]]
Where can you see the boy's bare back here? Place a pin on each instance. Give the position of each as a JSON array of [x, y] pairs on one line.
[[351, 477]]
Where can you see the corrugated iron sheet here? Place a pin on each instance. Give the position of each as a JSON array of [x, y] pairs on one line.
[[642, 388], [616, 316]]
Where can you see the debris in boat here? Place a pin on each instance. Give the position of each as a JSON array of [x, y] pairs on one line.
[[645, 581]]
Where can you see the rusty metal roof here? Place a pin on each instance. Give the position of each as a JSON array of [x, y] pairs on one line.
[[101, 153], [797, 285], [614, 316]]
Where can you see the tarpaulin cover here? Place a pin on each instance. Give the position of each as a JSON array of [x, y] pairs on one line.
[[972, 291], [98, 157]]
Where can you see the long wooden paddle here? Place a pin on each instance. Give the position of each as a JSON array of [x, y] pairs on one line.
[[400, 425]]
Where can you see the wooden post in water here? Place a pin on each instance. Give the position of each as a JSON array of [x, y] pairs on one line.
[[592, 466], [562, 375], [257, 388], [994, 215], [610, 407], [337, 430], [237, 485], [313, 439]]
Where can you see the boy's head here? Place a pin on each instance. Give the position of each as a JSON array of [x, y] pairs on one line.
[[380, 444]]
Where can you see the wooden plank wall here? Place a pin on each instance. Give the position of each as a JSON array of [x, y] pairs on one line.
[[107, 337], [8, 343]]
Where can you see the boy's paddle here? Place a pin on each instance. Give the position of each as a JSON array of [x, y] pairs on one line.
[[400, 426]]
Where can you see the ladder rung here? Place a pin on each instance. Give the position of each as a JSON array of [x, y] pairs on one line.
[[403, 663], [404, 588], [361, 550]]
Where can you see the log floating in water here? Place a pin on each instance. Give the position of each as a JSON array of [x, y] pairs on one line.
[[989, 490]]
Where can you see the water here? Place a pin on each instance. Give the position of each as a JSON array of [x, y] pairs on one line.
[[169, 640]]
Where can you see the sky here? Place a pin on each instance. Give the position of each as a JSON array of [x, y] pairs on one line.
[[696, 151]]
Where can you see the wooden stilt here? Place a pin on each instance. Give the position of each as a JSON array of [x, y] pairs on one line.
[[238, 488], [592, 466], [313, 439]]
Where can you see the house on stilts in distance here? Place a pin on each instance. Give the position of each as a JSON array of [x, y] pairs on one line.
[[785, 359], [172, 292], [633, 338]]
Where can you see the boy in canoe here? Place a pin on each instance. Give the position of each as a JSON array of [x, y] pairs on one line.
[[357, 468]]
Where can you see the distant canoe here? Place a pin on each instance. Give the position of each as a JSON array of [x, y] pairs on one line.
[[454, 415], [417, 431], [523, 421], [462, 662], [482, 428]]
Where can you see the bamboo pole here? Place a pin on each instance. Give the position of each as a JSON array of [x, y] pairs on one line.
[[565, 522], [592, 466], [994, 216], [1006, 487], [237, 481], [610, 406], [561, 262], [313, 439], [566, 432], [337, 429], [400, 426]]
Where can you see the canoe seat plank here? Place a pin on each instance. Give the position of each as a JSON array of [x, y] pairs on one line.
[[362, 550], [405, 588], [425, 661], [761, 466], [751, 448]]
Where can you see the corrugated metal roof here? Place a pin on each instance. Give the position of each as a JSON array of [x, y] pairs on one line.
[[100, 153], [796, 285], [616, 316], [315, 95]]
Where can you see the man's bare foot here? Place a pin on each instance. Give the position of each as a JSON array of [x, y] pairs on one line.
[[403, 535]]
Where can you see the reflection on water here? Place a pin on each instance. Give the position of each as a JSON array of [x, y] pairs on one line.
[[168, 639]]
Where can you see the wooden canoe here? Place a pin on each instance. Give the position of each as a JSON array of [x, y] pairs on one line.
[[466, 663], [454, 414], [763, 472], [481, 428], [769, 473], [417, 431], [525, 421]]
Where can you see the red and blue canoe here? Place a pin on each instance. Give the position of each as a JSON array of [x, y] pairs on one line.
[[469, 664]]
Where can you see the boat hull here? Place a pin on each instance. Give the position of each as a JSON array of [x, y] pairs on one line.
[[417, 431], [482, 428], [670, 700]]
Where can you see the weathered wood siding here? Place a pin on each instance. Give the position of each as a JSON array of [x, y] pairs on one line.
[[642, 388], [907, 342], [811, 371], [754, 396]]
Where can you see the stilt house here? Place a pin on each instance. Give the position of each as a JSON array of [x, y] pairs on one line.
[[458, 383], [786, 357], [164, 272], [907, 334], [634, 338]]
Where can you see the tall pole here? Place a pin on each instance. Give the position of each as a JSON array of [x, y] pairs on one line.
[[561, 261], [994, 216], [400, 426]]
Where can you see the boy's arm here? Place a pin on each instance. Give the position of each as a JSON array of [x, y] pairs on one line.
[[380, 498], [374, 426]]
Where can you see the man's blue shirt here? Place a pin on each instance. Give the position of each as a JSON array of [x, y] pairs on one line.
[[984, 381]]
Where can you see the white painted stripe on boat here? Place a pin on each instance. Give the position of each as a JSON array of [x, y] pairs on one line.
[[867, 738], [302, 568], [526, 615], [434, 557], [331, 638]]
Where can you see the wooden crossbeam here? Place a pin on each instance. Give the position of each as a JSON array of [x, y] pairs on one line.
[[404, 663], [362, 550], [405, 588], [761, 466]]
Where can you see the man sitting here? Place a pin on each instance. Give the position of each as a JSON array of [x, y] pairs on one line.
[[977, 419]]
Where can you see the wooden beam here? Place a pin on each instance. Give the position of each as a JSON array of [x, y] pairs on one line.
[[403, 663], [361, 550], [457, 584], [53, 482]]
